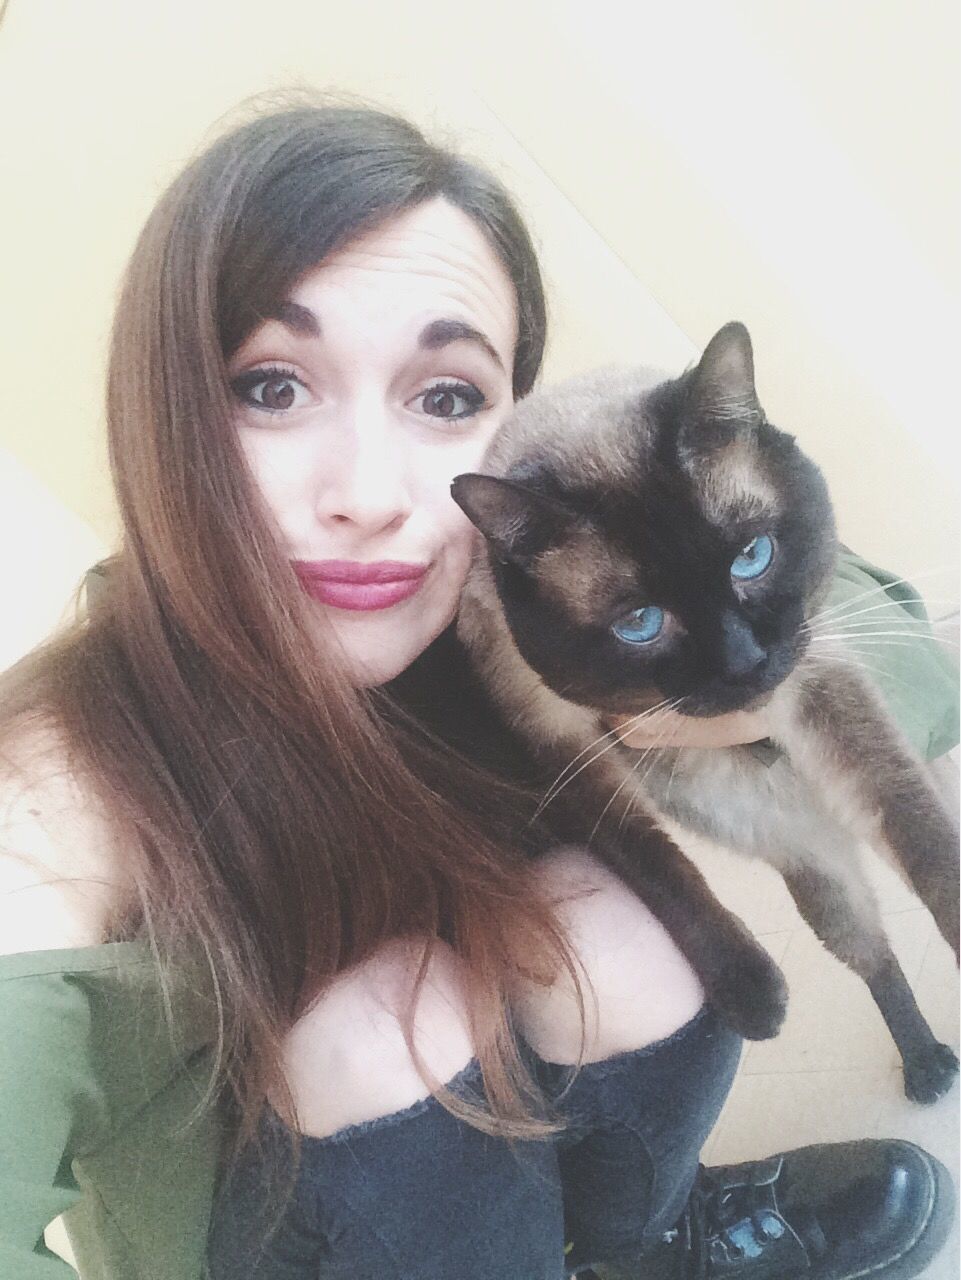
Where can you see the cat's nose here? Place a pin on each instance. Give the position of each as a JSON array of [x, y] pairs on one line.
[[741, 654]]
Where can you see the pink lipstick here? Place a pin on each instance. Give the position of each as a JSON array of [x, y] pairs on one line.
[[351, 584]]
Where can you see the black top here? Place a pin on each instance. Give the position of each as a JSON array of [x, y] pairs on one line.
[[443, 692]]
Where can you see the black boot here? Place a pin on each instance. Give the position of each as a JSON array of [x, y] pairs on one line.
[[836, 1211]]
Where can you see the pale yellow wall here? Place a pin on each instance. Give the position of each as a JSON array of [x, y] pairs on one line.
[[790, 163], [46, 549]]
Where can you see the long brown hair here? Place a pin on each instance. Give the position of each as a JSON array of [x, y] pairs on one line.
[[273, 816]]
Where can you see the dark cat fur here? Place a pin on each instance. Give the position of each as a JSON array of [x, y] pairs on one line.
[[618, 490]]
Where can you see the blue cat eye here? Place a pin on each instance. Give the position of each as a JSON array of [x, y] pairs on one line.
[[641, 626], [753, 559]]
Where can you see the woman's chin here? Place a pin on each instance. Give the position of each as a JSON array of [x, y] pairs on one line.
[[377, 646]]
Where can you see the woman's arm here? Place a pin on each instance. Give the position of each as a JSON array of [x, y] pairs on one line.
[[55, 893], [60, 880], [50, 1109]]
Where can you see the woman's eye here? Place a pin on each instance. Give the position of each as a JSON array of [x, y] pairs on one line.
[[450, 400], [640, 626], [753, 559], [270, 390]]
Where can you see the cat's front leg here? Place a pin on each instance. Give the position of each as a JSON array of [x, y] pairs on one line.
[[839, 735], [740, 979], [836, 899]]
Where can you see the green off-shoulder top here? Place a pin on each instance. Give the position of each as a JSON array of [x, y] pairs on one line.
[[99, 1092]]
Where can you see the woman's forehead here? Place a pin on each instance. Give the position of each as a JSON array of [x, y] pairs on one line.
[[429, 262]]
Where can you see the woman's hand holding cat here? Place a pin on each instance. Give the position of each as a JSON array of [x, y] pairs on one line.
[[668, 729]]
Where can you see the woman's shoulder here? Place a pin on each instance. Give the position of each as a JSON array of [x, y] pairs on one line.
[[61, 875]]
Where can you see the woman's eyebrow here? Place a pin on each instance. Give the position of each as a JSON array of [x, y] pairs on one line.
[[300, 320], [439, 333]]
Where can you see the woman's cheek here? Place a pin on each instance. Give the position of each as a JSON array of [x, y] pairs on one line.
[[436, 468]]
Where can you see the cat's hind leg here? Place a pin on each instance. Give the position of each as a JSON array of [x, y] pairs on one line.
[[841, 908]]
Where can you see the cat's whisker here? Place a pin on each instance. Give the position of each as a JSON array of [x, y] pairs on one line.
[[874, 608], [935, 647], [836, 625], [886, 587], [635, 792], [836, 648], [628, 809], [869, 637], [875, 625], [658, 744], [632, 799], [842, 648], [549, 794], [878, 624], [611, 733], [659, 738], [670, 777], [916, 637], [665, 717], [839, 610], [829, 661], [629, 777], [845, 611], [921, 625], [615, 734], [849, 620], [911, 578]]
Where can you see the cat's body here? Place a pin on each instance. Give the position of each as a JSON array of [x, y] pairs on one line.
[[627, 515]]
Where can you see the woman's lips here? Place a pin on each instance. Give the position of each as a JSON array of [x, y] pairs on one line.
[[351, 584]]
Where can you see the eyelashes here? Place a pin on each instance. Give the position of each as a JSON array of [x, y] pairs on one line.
[[466, 391], [243, 386], [443, 393]]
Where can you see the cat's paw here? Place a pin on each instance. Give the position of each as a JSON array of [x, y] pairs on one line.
[[749, 993], [929, 1072]]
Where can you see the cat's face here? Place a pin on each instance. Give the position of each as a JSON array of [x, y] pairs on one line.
[[655, 539]]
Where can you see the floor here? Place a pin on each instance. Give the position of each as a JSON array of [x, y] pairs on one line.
[[833, 1072]]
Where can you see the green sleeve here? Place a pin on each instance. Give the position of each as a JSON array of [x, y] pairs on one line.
[[104, 1120], [886, 629], [50, 1109]]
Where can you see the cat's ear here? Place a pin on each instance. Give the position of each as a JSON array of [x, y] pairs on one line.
[[720, 398], [517, 523]]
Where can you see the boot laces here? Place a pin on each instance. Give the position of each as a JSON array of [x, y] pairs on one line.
[[724, 1223]]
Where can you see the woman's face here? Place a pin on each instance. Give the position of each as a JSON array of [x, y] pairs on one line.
[[383, 375]]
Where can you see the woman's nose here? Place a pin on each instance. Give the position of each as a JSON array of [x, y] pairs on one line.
[[362, 479]]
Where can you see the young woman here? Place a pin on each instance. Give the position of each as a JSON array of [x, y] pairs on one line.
[[265, 933]]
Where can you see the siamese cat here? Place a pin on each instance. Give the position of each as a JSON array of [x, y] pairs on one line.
[[654, 542]]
